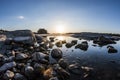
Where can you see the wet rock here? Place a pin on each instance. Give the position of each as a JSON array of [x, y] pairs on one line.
[[61, 73], [51, 45], [53, 78], [39, 57], [112, 50], [29, 72], [39, 38], [52, 39], [19, 76], [8, 75], [39, 68], [56, 53], [24, 36], [7, 66], [48, 73], [74, 42], [68, 45], [102, 40], [58, 44], [82, 46], [21, 56], [75, 69], [63, 41], [63, 63]]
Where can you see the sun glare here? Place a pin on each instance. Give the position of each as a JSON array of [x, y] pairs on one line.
[[60, 28]]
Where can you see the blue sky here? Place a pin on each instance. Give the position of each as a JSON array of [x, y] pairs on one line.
[[75, 15]]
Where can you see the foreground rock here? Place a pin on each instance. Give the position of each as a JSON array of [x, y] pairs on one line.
[[8, 75]]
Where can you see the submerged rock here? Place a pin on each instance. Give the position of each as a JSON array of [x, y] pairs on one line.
[[56, 53], [8, 75]]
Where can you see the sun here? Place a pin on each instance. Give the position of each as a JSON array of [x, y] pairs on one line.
[[60, 28]]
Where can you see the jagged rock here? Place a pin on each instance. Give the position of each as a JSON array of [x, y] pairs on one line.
[[68, 45], [39, 57], [82, 46], [56, 53], [19, 76], [63, 63], [112, 50], [8, 75], [7, 66], [21, 56]]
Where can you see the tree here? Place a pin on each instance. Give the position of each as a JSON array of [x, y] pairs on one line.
[[42, 31]]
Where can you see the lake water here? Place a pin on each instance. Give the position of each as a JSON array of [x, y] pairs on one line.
[[106, 65]]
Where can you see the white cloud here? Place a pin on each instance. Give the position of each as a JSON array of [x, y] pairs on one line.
[[20, 17]]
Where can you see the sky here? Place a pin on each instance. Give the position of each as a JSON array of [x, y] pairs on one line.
[[71, 15]]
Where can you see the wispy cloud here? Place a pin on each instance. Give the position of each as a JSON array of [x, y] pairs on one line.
[[20, 17]]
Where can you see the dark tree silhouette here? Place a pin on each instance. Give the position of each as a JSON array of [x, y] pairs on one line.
[[42, 31]]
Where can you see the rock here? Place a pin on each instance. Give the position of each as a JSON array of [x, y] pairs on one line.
[[53, 78], [48, 73], [8, 41], [52, 39], [39, 38], [39, 68], [29, 72], [24, 37], [58, 44], [56, 53], [74, 42], [102, 40], [39, 57], [61, 73], [112, 50], [1, 57], [19, 76], [63, 63], [75, 69], [8, 75], [82, 46], [9, 59], [68, 45], [7, 66], [21, 56], [63, 41]]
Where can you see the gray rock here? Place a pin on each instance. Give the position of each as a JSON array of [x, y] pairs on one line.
[[69, 45], [56, 53], [7, 66], [8, 75], [29, 72], [19, 76], [21, 56], [39, 56]]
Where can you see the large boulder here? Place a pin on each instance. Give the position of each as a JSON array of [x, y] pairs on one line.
[[23, 36]]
